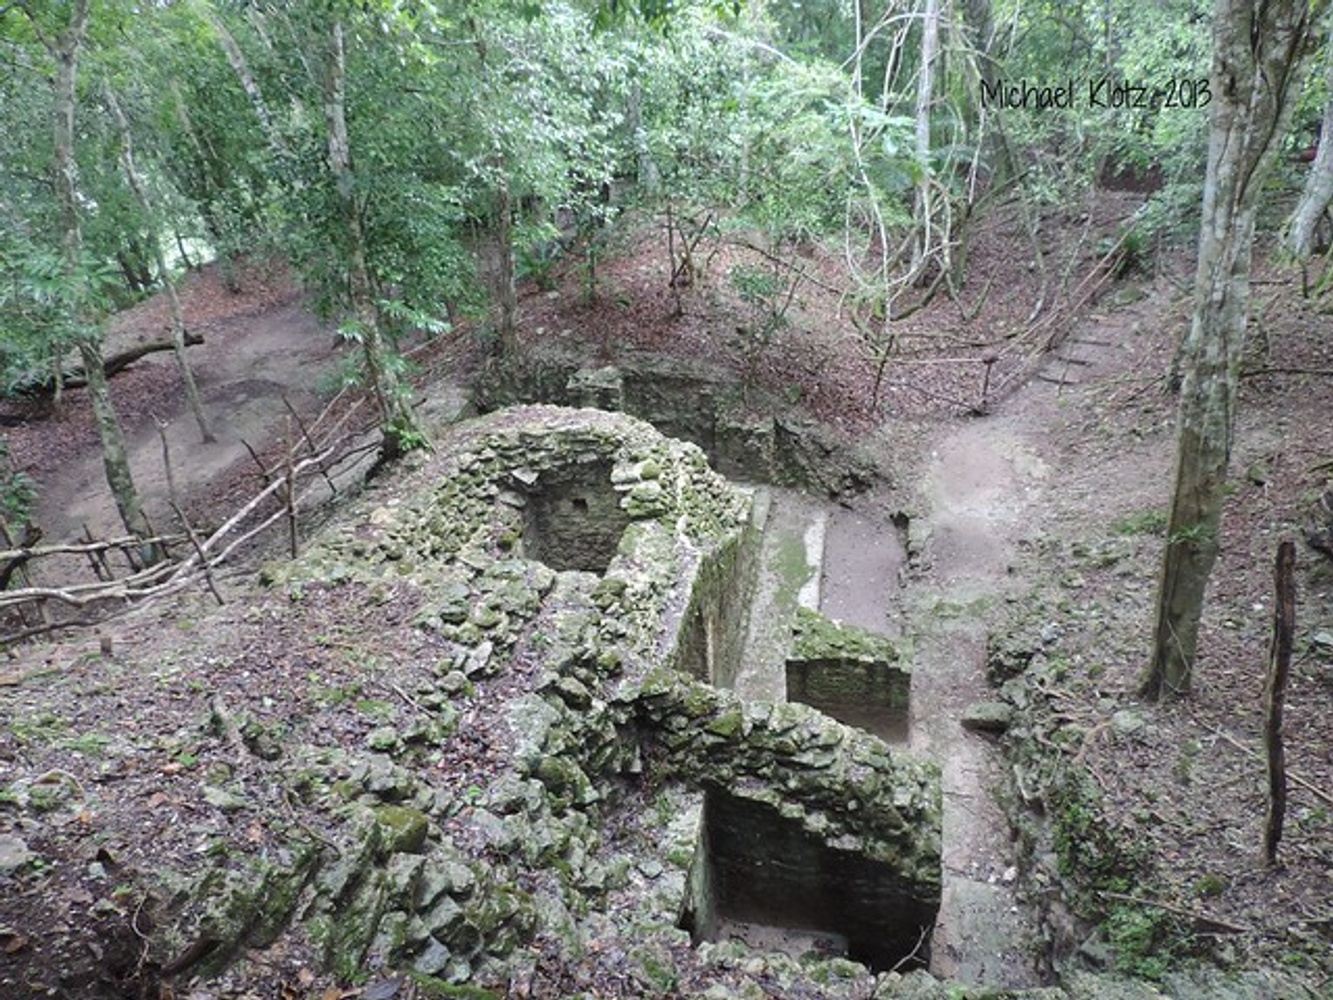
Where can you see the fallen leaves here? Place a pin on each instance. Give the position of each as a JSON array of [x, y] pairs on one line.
[[11, 941]]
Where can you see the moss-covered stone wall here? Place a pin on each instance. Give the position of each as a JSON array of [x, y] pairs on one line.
[[766, 441], [584, 678], [834, 666]]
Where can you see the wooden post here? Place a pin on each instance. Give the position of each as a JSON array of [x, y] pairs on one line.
[[290, 490], [97, 558], [1275, 689], [177, 506], [988, 359]]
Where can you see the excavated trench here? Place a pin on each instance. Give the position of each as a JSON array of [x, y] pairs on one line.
[[807, 610], [813, 552], [758, 877], [766, 881]]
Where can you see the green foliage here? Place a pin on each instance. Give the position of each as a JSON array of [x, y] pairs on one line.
[[537, 254], [1144, 522], [1210, 885], [438, 989], [1143, 939], [18, 493], [1165, 48], [1189, 534]]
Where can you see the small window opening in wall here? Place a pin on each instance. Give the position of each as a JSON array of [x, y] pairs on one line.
[[573, 519]]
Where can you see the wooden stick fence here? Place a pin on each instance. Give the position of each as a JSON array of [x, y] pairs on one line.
[[309, 455]]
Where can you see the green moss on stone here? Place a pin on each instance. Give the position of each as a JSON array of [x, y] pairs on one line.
[[818, 638], [402, 830]]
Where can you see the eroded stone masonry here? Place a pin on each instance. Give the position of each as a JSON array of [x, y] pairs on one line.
[[586, 582]]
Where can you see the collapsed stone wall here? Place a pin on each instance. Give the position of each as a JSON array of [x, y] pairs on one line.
[[768, 442], [388, 865]]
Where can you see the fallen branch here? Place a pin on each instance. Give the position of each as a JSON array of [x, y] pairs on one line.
[[1180, 911], [36, 630], [1256, 372], [112, 364], [173, 498], [164, 578], [310, 443], [916, 949], [1305, 783]]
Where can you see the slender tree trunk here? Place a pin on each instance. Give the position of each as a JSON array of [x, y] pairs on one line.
[[155, 247], [859, 33], [505, 289], [401, 430], [139, 261], [115, 458], [1318, 192], [979, 20], [508, 291], [1259, 49], [647, 173], [213, 223], [925, 96], [128, 272], [241, 67], [57, 379], [65, 51], [180, 249], [1275, 692]]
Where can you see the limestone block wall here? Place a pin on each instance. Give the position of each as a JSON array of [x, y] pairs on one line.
[[834, 666], [768, 442]]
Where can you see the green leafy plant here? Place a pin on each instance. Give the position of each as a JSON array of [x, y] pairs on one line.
[[1144, 522], [1144, 940]]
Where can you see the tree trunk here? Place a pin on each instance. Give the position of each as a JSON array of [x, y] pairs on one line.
[[1275, 692], [115, 459], [65, 51], [401, 430], [925, 95], [1259, 49], [505, 288], [646, 171], [139, 261], [979, 21], [180, 249], [60, 379], [1318, 192], [155, 247], [508, 291], [130, 274], [57, 380], [241, 67]]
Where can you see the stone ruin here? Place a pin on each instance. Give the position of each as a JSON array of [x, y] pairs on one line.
[[769, 441], [594, 574]]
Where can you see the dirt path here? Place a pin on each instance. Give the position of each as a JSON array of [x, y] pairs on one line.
[[982, 484], [986, 487], [245, 368]]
